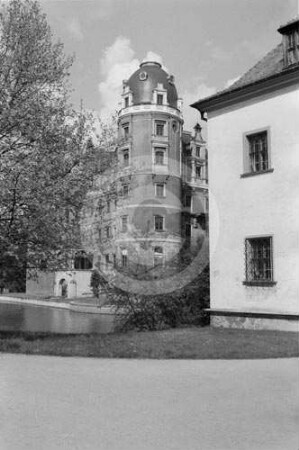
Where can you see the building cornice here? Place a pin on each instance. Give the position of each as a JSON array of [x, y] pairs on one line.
[[146, 108], [224, 99]]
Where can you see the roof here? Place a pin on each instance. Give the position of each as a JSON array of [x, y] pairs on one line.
[[145, 80], [269, 67], [271, 64]]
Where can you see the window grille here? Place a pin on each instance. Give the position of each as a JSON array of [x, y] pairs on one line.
[[124, 224], [258, 152], [160, 128], [160, 99], [159, 223], [258, 259]]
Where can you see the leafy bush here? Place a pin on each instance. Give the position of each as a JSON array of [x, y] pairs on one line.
[[183, 307]]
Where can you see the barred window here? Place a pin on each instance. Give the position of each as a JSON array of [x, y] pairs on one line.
[[159, 223], [258, 259], [160, 99], [124, 224], [160, 127], [258, 152]]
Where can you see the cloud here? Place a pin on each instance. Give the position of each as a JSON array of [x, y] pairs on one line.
[[117, 64], [200, 91], [75, 29]]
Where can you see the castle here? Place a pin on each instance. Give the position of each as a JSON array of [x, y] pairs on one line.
[[151, 202]]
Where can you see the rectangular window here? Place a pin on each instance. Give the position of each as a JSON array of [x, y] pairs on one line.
[[108, 232], [188, 230], [125, 190], [159, 156], [258, 152], [126, 157], [160, 99], [258, 260], [158, 256], [198, 152], [188, 201], [108, 206], [159, 223], [126, 102], [198, 171], [160, 128], [160, 190], [126, 130], [124, 258], [124, 224], [107, 260]]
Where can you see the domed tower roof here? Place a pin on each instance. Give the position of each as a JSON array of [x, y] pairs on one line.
[[146, 79]]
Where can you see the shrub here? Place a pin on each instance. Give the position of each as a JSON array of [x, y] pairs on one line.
[[183, 307]]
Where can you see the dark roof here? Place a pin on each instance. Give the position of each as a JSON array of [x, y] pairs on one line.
[[271, 64], [269, 67], [145, 80]]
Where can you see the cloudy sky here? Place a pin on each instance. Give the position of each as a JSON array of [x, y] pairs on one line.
[[205, 44]]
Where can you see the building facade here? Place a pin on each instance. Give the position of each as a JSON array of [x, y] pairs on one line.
[[253, 139], [149, 204]]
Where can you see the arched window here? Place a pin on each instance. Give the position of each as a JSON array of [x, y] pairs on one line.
[[82, 261]]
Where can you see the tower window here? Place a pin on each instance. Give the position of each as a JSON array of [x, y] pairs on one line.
[[160, 190], [124, 258], [126, 157], [125, 190], [158, 256], [159, 223], [124, 224], [108, 232], [108, 206], [160, 128], [126, 130], [126, 102], [198, 171], [159, 99], [159, 156]]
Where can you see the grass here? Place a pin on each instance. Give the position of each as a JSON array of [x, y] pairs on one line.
[[180, 343]]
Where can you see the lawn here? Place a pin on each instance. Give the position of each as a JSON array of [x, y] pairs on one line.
[[180, 343]]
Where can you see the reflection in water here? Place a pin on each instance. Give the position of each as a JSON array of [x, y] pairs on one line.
[[41, 318]]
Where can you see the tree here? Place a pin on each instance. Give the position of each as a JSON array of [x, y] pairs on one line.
[[46, 160]]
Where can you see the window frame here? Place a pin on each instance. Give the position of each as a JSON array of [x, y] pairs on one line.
[[158, 130], [247, 136], [157, 189], [158, 228], [124, 224], [252, 264]]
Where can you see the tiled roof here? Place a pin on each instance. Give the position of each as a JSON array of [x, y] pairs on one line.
[[271, 64]]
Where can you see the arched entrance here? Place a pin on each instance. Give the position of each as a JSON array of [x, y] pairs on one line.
[[63, 288]]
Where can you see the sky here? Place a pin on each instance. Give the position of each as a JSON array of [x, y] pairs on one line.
[[205, 44]]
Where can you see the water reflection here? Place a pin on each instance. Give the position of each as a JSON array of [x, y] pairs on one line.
[[44, 319]]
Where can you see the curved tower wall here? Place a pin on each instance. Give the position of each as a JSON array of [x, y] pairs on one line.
[[149, 156]]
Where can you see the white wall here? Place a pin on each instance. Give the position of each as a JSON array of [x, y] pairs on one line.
[[78, 283], [266, 204]]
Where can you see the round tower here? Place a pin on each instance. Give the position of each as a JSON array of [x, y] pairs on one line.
[[149, 160]]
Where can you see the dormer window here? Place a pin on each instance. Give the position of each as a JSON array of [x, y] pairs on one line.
[[126, 102], [290, 40], [159, 99]]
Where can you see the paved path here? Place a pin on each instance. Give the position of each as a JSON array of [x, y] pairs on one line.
[[99, 404]]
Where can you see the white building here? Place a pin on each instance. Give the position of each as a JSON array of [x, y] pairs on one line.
[[253, 140]]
